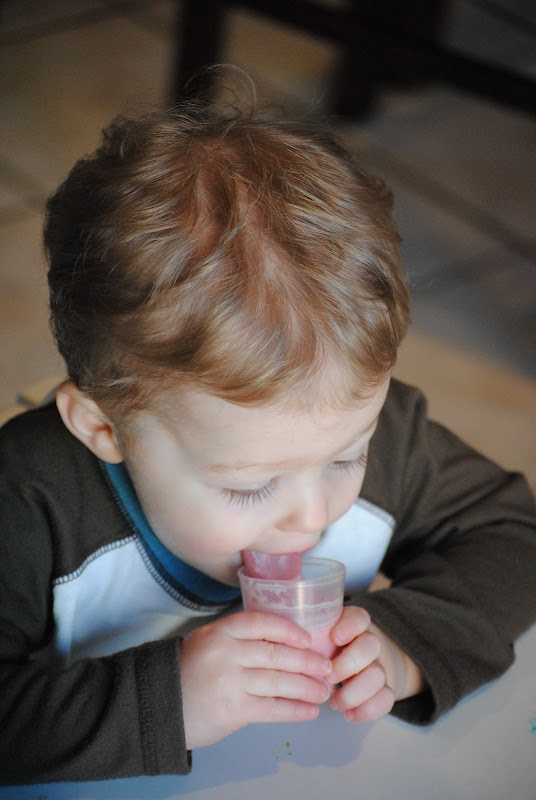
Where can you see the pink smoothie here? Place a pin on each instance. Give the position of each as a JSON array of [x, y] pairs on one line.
[[321, 641], [310, 594]]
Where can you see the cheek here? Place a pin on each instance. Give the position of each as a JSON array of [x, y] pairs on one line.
[[229, 530], [346, 491], [212, 529]]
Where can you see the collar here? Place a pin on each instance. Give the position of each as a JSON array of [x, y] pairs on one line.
[[198, 587]]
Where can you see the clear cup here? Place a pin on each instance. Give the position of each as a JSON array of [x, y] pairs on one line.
[[314, 601]]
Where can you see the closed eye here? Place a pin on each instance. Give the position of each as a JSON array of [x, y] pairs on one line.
[[244, 498]]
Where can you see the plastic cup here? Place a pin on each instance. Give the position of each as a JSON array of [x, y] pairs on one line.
[[314, 601]]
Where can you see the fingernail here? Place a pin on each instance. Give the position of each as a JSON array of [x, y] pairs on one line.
[[312, 712]]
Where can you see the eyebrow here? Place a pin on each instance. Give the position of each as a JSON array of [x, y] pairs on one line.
[[239, 465], [270, 466]]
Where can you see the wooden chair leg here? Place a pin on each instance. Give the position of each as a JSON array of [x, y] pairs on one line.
[[200, 32]]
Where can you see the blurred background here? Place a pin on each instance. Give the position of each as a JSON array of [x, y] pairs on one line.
[[460, 162]]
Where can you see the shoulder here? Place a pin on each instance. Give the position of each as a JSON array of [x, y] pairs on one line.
[[51, 483], [417, 462], [41, 421], [400, 423], [390, 446], [42, 461], [403, 404], [36, 439], [404, 448]]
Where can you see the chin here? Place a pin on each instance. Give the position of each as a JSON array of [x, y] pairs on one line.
[[230, 578], [228, 572]]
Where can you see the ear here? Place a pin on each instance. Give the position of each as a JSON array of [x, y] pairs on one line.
[[84, 418]]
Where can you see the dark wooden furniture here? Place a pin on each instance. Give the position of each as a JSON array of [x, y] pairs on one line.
[[385, 40]]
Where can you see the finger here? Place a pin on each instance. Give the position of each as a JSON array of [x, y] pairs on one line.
[[272, 683], [378, 706], [359, 689], [258, 625], [353, 622], [354, 658], [278, 709], [271, 655]]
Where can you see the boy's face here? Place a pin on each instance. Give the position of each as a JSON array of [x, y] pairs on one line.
[[215, 478]]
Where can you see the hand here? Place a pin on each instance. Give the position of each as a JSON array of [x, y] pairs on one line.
[[373, 669], [249, 667]]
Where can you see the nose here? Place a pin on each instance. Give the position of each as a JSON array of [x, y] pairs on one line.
[[309, 513]]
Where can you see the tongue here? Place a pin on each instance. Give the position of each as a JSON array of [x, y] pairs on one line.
[[276, 567]]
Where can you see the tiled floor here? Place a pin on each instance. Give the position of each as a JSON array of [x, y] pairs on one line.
[[463, 172]]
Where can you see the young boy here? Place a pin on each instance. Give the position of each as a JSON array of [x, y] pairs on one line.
[[228, 295]]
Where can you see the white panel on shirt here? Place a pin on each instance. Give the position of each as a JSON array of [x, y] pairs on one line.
[[359, 539], [116, 600]]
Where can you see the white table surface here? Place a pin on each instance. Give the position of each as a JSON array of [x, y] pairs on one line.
[[485, 749]]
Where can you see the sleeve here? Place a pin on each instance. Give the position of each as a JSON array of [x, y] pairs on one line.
[[101, 718], [462, 560]]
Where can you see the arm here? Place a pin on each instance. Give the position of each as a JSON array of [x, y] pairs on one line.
[[462, 559], [101, 718]]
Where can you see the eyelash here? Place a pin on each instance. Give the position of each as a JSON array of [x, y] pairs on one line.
[[245, 498], [358, 463]]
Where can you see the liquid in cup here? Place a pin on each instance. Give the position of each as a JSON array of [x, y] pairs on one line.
[[314, 600]]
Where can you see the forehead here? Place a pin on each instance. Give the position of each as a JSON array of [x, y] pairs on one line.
[[223, 436]]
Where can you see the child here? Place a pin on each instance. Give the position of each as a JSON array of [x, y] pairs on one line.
[[227, 292]]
